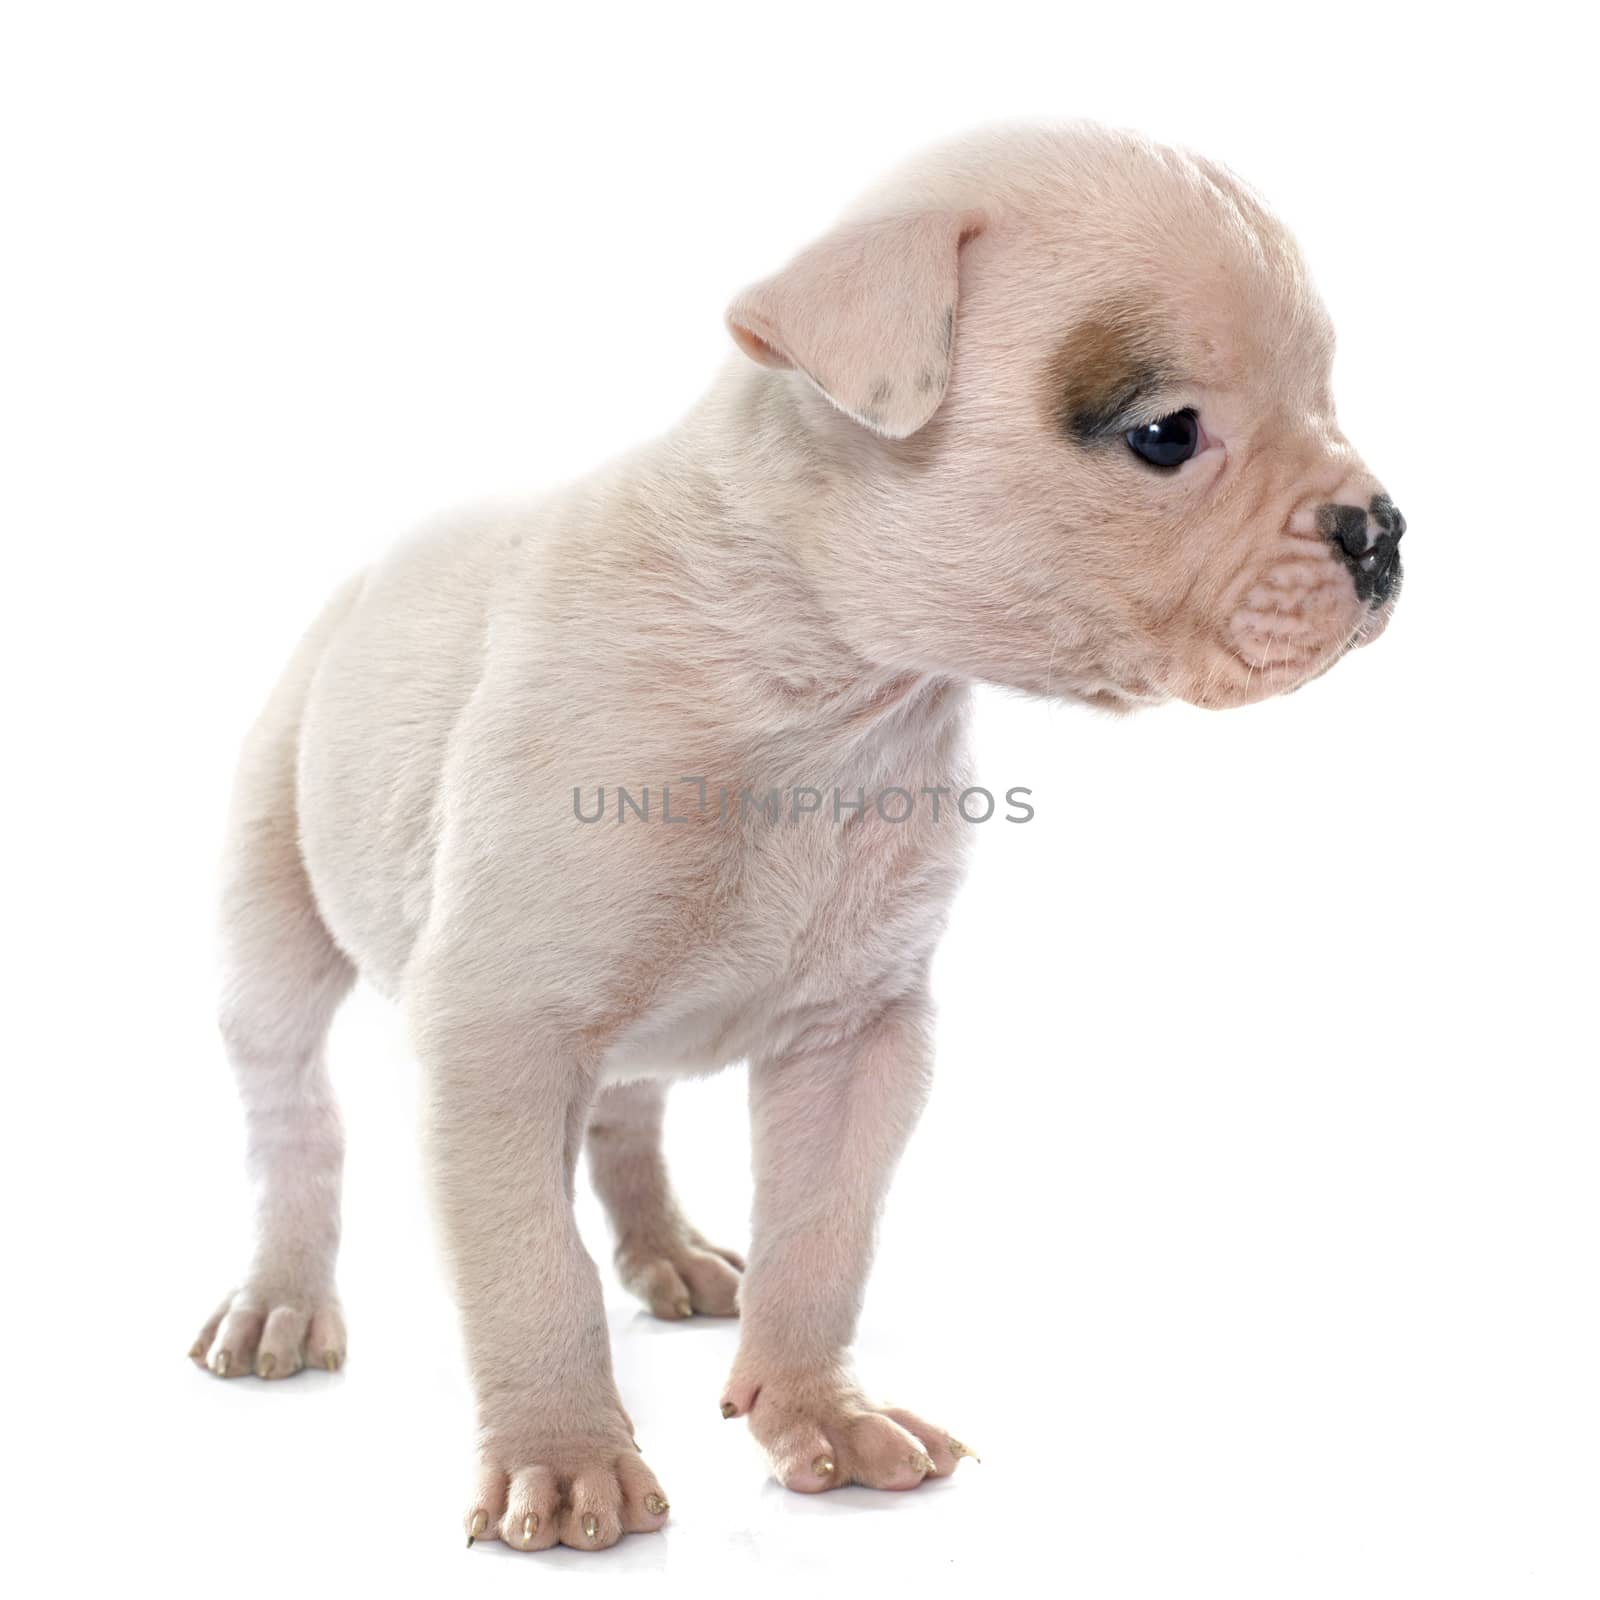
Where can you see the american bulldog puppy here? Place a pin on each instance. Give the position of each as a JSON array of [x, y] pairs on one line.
[[1048, 409]]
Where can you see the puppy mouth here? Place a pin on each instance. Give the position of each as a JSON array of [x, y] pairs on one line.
[[1277, 664], [1248, 680], [1237, 676], [1289, 622]]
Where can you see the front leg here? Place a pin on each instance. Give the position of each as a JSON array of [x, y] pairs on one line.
[[829, 1121], [506, 1108]]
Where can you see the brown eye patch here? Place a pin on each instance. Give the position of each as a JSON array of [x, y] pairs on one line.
[[1099, 374]]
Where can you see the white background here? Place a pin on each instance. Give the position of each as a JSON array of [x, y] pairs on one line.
[[1251, 1234]]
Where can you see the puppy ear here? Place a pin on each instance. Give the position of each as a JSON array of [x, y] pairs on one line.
[[868, 314]]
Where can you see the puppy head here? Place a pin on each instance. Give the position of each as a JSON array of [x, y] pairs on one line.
[[1071, 395]]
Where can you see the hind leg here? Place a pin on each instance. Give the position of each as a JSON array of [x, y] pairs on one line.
[[660, 1257], [283, 978]]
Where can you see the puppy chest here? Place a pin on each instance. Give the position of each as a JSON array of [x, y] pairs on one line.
[[816, 926]]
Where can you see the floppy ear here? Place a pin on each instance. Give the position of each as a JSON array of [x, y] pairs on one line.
[[868, 314]]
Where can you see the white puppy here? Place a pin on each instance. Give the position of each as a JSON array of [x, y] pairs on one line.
[[1051, 409]]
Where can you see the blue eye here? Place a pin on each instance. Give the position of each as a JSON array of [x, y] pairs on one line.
[[1167, 442]]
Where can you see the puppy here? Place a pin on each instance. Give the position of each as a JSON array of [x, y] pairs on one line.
[[1050, 409]]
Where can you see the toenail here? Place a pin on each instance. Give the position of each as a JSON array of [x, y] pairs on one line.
[[920, 1462], [655, 1505], [266, 1366], [197, 1349], [530, 1526], [480, 1521], [331, 1360], [822, 1466], [958, 1449], [591, 1526], [729, 1409], [224, 1361]]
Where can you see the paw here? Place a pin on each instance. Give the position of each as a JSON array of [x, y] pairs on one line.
[[822, 1433], [678, 1273], [583, 1493], [272, 1333]]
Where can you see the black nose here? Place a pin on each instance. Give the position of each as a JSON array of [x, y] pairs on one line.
[[1369, 542]]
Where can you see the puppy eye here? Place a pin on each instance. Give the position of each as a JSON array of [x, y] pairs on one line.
[[1167, 442]]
